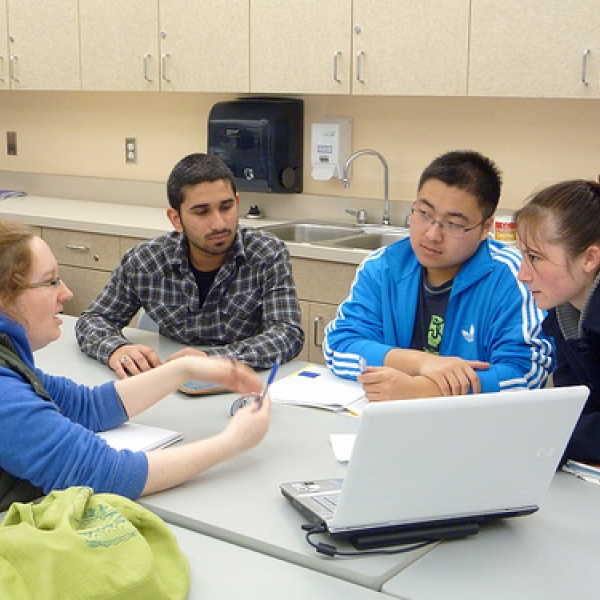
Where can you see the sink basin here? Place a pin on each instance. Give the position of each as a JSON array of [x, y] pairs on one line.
[[368, 241], [310, 232]]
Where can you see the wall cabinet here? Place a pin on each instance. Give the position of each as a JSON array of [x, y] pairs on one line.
[[542, 48], [538, 48], [205, 45], [4, 80], [360, 47], [168, 45], [43, 45], [122, 54], [300, 47], [321, 287], [402, 47]]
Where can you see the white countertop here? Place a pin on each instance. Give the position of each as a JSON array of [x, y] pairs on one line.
[[136, 221]]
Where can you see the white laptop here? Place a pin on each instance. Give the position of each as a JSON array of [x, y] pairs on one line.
[[434, 468]]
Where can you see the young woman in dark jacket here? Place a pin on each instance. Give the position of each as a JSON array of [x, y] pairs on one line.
[[559, 236]]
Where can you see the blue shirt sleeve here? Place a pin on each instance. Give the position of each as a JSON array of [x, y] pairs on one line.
[[53, 445]]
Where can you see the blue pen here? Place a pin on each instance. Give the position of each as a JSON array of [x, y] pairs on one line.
[[270, 380]]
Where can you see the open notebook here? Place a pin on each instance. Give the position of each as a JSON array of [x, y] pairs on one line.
[[436, 467]]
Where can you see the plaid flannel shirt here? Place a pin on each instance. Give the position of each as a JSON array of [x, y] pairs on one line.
[[251, 312]]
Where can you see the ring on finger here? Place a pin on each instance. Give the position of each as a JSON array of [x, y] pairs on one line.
[[125, 359]]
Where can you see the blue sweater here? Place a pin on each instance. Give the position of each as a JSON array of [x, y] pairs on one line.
[[491, 317], [52, 444]]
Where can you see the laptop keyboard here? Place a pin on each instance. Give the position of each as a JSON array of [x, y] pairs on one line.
[[327, 501]]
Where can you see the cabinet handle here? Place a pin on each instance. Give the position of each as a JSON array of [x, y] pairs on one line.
[[1, 67], [14, 59], [359, 56], [164, 66], [336, 55], [584, 67], [78, 248], [147, 57], [316, 337]]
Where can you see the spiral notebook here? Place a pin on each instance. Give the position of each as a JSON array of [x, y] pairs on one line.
[[140, 438]]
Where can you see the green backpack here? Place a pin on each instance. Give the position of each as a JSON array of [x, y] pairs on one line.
[[76, 544]]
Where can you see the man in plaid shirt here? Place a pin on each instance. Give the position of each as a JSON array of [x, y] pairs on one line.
[[209, 283]]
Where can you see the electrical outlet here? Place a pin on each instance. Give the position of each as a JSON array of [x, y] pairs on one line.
[[130, 150], [11, 143]]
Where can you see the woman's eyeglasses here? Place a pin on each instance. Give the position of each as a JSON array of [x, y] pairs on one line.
[[48, 283]]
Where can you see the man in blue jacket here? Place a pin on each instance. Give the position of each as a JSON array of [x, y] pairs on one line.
[[442, 312]]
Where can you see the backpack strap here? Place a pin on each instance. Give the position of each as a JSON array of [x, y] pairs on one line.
[[11, 360]]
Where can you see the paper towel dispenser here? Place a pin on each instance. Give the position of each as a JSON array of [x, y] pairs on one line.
[[261, 140]]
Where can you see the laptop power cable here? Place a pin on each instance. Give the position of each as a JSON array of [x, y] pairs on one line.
[[332, 551]]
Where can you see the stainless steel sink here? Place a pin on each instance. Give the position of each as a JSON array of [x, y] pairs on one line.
[[310, 232], [368, 241]]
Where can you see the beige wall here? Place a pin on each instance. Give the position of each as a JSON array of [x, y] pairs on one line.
[[534, 142]]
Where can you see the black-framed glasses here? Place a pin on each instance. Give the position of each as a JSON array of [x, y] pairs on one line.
[[48, 283], [421, 217]]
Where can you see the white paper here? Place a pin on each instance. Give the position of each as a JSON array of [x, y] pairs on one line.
[[342, 444], [316, 386]]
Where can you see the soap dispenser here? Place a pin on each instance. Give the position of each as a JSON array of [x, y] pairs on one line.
[[331, 145]]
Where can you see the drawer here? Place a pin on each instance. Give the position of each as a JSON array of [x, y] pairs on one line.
[[81, 249], [130, 242]]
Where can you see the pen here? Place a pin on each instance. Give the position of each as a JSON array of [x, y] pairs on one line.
[[270, 380]]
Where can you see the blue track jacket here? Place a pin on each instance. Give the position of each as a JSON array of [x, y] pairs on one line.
[[491, 316]]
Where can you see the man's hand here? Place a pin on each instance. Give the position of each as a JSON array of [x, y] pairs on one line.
[[186, 352], [454, 376], [387, 383], [132, 359]]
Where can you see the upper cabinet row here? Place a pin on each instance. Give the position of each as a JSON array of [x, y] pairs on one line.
[[513, 48]]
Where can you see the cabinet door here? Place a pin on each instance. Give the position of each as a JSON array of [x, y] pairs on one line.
[[86, 286], [122, 54], [300, 47], [535, 48], [315, 317], [319, 315], [44, 44], [305, 324], [205, 45], [410, 48], [4, 80]]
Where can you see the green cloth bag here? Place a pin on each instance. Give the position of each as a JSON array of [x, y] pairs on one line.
[[76, 544]]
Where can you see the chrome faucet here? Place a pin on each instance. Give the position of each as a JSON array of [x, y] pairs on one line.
[[360, 214], [386, 198]]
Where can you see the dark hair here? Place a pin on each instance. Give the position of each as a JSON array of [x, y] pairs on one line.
[[15, 261], [574, 206], [470, 171], [192, 170]]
